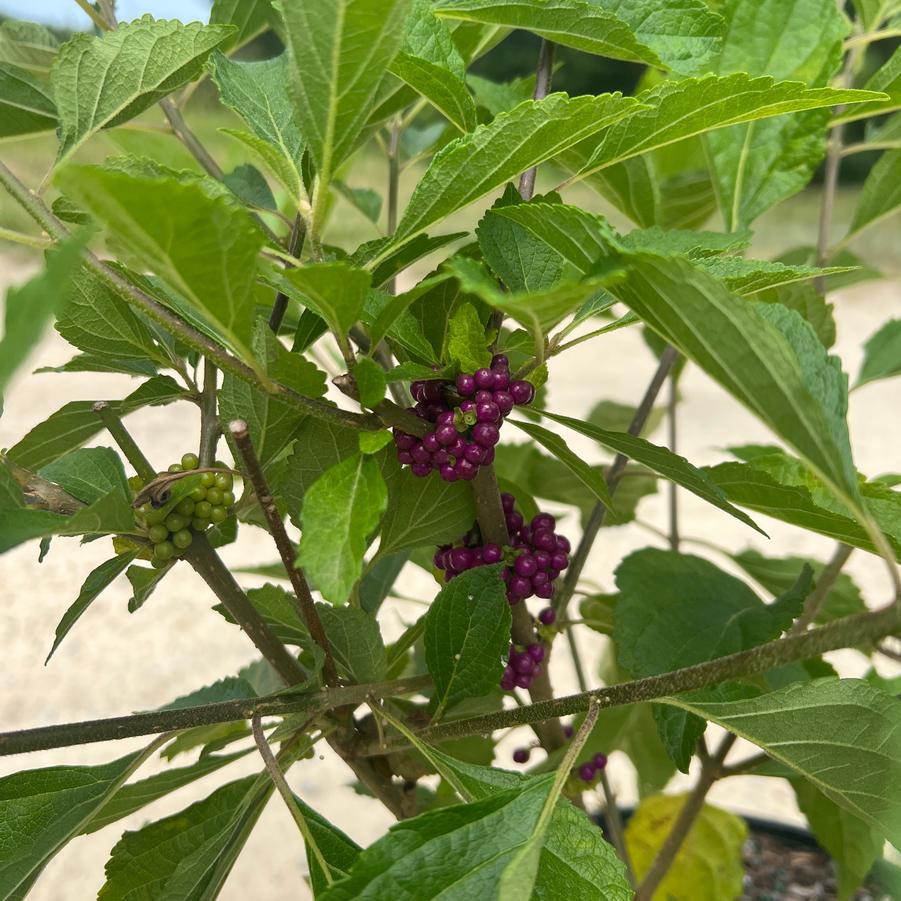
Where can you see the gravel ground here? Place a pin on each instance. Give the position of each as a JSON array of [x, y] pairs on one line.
[[114, 662]]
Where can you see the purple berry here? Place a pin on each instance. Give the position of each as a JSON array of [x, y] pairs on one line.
[[474, 453], [522, 663], [404, 442], [568, 730], [521, 586], [521, 755], [508, 502], [430, 443], [421, 469], [514, 521], [492, 553], [404, 457], [586, 772], [539, 578], [504, 401], [466, 470], [501, 381], [525, 565], [544, 521], [440, 457], [486, 434], [523, 392], [458, 448], [446, 434], [559, 561], [488, 412], [523, 680], [546, 591], [552, 574], [536, 652], [506, 575], [484, 397], [548, 616], [448, 473], [508, 680], [599, 761], [439, 559], [563, 544], [417, 389], [544, 540], [461, 558], [444, 417], [512, 598], [484, 378], [466, 384], [499, 361], [434, 391], [420, 454], [489, 456], [542, 558]]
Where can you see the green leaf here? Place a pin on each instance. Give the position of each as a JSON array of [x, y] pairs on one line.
[[786, 377], [41, 810], [356, 642], [97, 321], [371, 382], [76, 423], [872, 13], [887, 78], [29, 46], [467, 345], [89, 474], [676, 610], [806, 300], [143, 583], [882, 354], [31, 306], [401, 258], [853, 844], [204, 246], [676, 110], [467, 634], [250, 17], [339, 851], [493, 154], [880, 196], [591, 478], [104, 81], [423, 512], [751, 277], [279, 609], [658, 459], [367, 201], [339, 51], [708, 865], [99, 579], [340, 511], [777, 575], [782, 487], [249, 185], [190, 853], [376, 585], [335, 291], [26, 105], [844, 735], [682, 34], [258, 92]]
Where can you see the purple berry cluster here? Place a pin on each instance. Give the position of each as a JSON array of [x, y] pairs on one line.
[[523, 665], [467, 415], [589, 770]]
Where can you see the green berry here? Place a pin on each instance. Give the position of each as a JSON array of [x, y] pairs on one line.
[[220, 465], [175, 523], [185, 508], [214, 496], [136, 483], [182, 539], [224, 481], [202, 509], [190, 461], [228, 499], [176, 467], [157, 534], [198, 494], [158, 564], [164, 550], [218, 514], [155, 516], [200, 525], [207, 479]]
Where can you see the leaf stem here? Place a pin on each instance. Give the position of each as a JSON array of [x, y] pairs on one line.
[[711, 770], [94, 16], [210, 430], [35, 241], [127, 444], [826, 582], [306, 607], [278, 779], [614, 475]]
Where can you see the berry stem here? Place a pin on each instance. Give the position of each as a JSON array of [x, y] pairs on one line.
[[210, 430], [305, 604], [127, 444]]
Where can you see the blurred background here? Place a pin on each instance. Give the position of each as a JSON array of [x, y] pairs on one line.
[[115, 662]]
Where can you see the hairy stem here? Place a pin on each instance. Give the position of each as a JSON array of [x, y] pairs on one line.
[[694, 803], [306, 607], [614, 475], [210, 430], [127, 444], [826, 582]]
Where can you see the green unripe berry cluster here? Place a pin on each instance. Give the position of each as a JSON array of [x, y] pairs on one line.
[[171, 529]]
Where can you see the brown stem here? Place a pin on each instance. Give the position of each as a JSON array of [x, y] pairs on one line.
[[543, 76], [210, 429], [189, 139], [826, 582], [127, 444], [891, 653], [295, 245], [614, 475], [671, 413], [692, 807], [306, 607], [213, 571]]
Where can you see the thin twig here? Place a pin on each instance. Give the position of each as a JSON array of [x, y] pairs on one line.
[[748, 765], [189, 139], [689, 812], [278, 779], [576, 659], [127, 444], [543, 75], [210, 429], [614, 822], [886, 651], [614, 474], [95, 16], [295, 246], [813, 605], [671, 415], [306, 607]]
